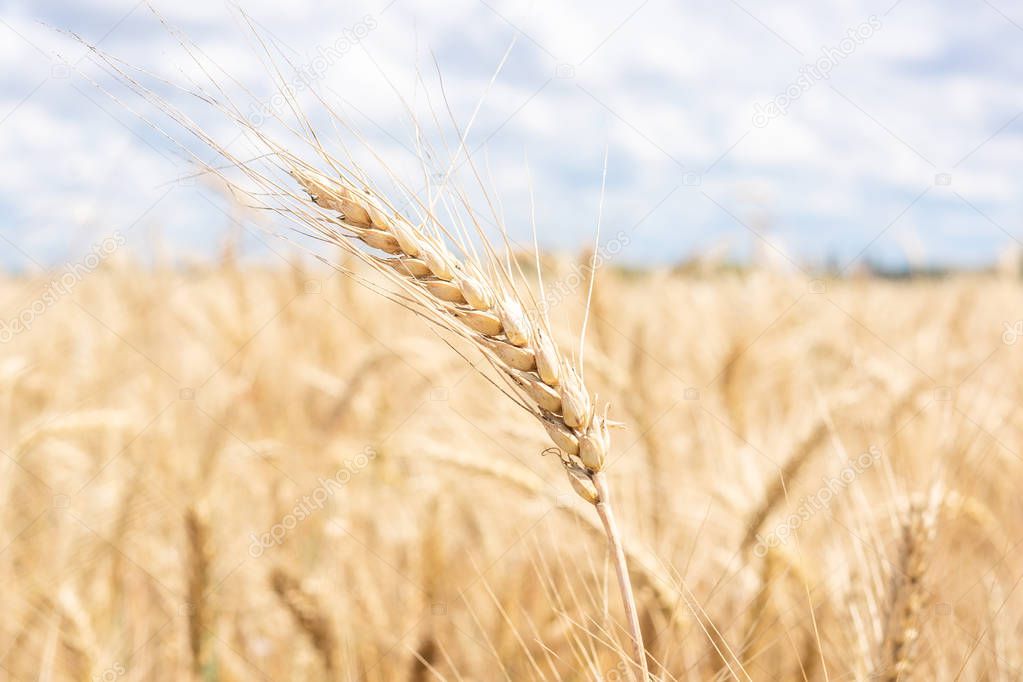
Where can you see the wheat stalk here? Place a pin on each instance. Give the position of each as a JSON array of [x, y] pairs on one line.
[[645, 565], [198, 570], [762, 610]]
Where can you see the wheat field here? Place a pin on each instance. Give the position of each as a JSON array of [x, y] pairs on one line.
[[241, 472]]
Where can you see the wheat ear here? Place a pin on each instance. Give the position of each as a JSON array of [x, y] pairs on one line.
[[906, 593], [776, 491], [310, 617], [484, 308]]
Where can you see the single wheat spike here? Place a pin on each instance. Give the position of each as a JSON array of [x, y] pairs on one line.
[[311, 619], [485, 310], [775, 492], [801, 455], [197, 533], [906, 593], [456, 293]]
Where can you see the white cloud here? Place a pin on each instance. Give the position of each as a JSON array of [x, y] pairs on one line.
[[681, 81]]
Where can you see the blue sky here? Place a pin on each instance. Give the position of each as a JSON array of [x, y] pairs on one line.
[[909, 148]]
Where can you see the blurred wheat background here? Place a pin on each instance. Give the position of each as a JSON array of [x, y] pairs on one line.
[[222, 459], [237, 472]]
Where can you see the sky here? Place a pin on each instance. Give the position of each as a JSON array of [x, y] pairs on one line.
[[799, 132]]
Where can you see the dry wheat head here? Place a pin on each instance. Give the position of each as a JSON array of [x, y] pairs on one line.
[[465, 296]]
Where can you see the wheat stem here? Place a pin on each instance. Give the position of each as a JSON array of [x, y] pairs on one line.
[[614, 541], [198, 585]]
